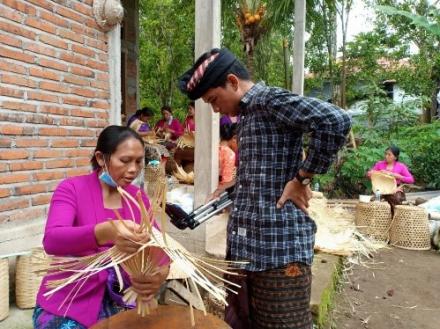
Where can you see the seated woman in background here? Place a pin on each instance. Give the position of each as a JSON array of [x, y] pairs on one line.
[[139, 121], [227, 151], [81, 221], [398, 170], [168, 127], [189, 124]]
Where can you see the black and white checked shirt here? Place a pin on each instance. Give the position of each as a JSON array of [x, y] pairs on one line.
[[270, 134]]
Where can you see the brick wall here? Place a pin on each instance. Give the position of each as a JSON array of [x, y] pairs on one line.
[[54, 99]]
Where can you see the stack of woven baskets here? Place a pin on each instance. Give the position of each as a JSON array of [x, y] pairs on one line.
[[408, 229]]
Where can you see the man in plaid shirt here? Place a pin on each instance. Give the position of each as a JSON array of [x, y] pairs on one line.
[[269, 226]]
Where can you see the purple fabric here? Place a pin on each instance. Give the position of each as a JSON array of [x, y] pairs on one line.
[[131, 119], [144, 128], [76, 207], [226, 119], [113, 287]]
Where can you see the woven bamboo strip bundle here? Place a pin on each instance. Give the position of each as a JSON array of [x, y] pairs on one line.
[[4, 288], [410, 228]]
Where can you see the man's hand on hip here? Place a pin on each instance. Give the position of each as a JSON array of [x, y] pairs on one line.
[[298, 193]]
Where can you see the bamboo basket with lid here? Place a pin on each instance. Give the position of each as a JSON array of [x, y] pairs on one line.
[[4, 288], [374, 219], [410, 228]]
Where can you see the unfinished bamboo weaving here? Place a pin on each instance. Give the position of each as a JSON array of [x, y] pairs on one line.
[[27, 282], [374, 219], [383, 182], [410, 228], [4, 288], [186, 140]]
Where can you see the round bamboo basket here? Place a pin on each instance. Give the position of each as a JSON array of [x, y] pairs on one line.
[[4, 288], [27, 282], [410, 228], [374, 219]]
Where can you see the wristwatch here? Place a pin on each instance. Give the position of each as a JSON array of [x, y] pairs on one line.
[[304, 180]]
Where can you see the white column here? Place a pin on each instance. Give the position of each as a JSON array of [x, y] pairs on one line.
[[114, 63], [207, 30], [298, 47]]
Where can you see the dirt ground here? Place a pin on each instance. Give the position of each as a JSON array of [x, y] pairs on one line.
[[398, 290]]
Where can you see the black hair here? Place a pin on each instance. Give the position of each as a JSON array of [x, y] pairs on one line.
[[110, 138], [228, 131], [192, 104], [166, 108], [237, 68], [395, 150], [145, 111]]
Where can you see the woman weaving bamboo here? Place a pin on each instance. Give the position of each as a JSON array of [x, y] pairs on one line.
[[80, 222]]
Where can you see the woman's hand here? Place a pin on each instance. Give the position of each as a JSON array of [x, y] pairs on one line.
[[298, 193], [146, 286]]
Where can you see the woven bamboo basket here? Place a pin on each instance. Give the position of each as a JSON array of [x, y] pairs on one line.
[[27, 282], [410, 228], [374, 219], [156, 183], [4, 288], [385, 183]]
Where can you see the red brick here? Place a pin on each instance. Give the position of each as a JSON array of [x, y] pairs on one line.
[[67, 34], [82, 162], [81, 132], [17, 55], [54, 86], [12, 67], [83, 30], [41, 199], [83, 9], [72, 58], [78, 171], [54, 41], [31, 142], [59, 163], [55, 19], [40, 49], [17, 29], [82, 113], [20, 6], [40, 24], [40, 119], [43, 3], [45, 74], [74, 100], [4, 167], [13, 178], [103, 94], [88, 142], [30, 165], [47, 153], [54, 64], [97, 65], [79, 153], [30, 189], [97, 44], [82, 71], [72, 122], [63, 11], [14, 203], [11, 92], [103, 57], [12, 15], [11, 41], [90, 93], [101, 85], [25, 107], [5, 142], [92, 23], [102, 115], [84, 50], [96, 123], [70, 78], [42, 97], [53, 109], [65, 143], [4, 192], [53, 131], [18, 80], [48, 175], [13, 154], [11, 130], [23, 214], [100, 104]]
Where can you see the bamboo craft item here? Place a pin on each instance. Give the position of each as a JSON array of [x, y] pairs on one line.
[[186, 140], [374, 219], [183, 176], [383, 182], [200, 271], [4, 288], [26, 282], [410, 228]]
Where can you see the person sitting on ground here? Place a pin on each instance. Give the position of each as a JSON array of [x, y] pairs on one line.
[[139, 121], [168, 127], [81, 221], [190, 124], [228, 147], [393, 167]]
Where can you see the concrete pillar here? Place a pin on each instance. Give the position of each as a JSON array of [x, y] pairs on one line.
[[207, 29], [298, 47], [114, 64]]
